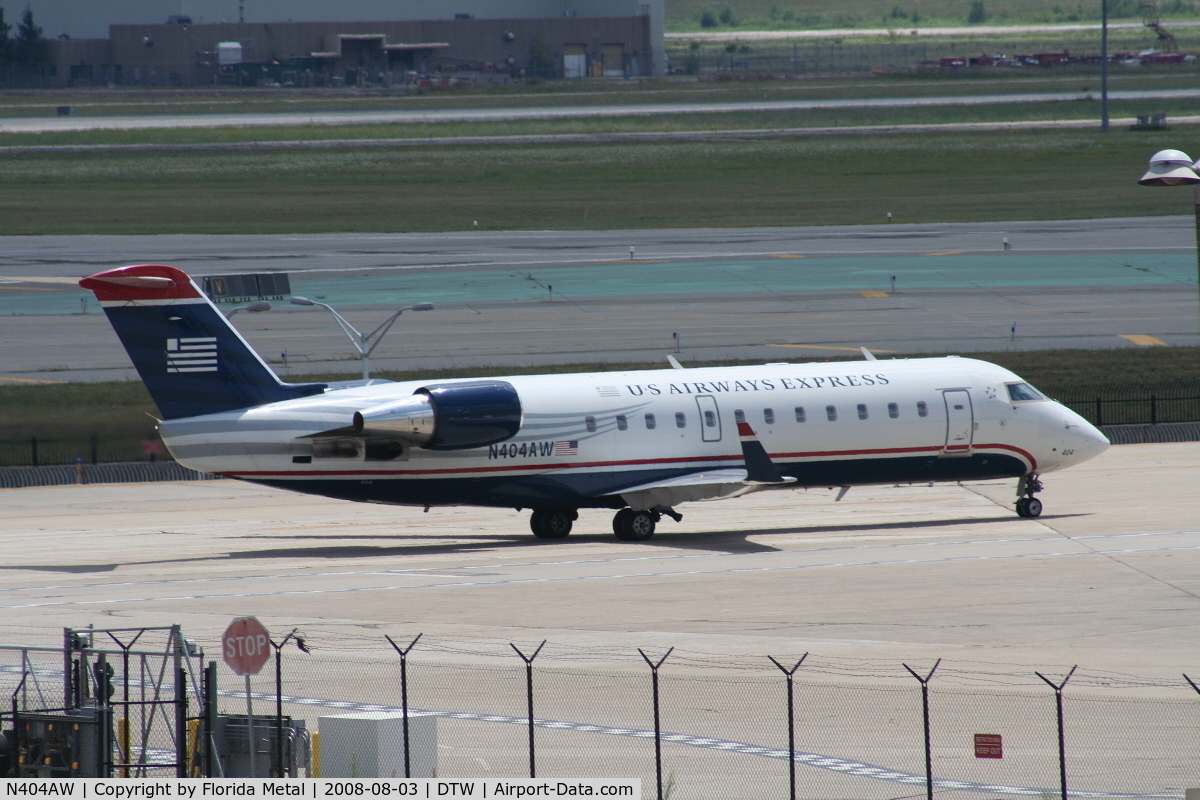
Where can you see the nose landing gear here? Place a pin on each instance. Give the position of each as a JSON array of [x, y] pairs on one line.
[[1027, 504]]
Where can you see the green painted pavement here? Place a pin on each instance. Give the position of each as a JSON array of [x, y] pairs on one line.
[[647, 277]]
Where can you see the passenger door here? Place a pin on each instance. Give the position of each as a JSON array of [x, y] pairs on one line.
[[710, 418], [960, 422]]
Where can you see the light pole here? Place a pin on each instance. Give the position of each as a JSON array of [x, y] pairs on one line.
[[364, 343], [255, 307], [1104, 66], [1175, 168]]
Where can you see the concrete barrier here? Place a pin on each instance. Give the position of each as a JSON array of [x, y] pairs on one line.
[[129, 472]]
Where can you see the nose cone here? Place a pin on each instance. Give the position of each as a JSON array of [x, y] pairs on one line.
[[1084, 438]]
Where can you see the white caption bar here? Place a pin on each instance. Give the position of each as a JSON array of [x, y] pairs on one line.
[[318, 788]]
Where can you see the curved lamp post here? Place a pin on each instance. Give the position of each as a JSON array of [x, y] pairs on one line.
[[364, 343], [255, 307], [1175, 168]]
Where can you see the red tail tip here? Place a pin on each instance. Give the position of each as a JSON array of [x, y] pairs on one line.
[[141, 282]]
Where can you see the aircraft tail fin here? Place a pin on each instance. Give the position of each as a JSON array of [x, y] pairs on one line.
[[191, 359]]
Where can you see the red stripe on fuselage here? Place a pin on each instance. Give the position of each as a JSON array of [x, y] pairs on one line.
[[632, 463]]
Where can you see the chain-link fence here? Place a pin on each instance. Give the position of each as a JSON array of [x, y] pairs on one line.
[[107, 703], [723, 721]]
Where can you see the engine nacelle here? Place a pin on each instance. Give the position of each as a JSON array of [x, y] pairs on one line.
[[448, 416]]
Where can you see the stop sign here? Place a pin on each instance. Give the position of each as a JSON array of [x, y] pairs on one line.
[[246, 645]]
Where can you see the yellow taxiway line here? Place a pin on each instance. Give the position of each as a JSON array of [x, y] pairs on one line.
[[1142, 339]]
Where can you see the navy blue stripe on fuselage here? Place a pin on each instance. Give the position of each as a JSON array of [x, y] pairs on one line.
[[600, 489]]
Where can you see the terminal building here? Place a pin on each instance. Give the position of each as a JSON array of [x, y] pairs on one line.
[[355, 42]]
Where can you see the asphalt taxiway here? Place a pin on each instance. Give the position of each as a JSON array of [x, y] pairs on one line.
[[547, 297]]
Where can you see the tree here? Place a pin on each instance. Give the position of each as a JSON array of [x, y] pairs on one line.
[[977, 14], [29, 48], [6, 53]]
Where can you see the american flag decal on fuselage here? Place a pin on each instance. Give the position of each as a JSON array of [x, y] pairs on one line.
[[570, 448], [197, 354]]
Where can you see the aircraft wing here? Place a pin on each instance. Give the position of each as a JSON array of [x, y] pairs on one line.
[[712, 477], [759, 472]]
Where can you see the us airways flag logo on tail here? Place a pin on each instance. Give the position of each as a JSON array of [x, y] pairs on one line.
[[196, 354]]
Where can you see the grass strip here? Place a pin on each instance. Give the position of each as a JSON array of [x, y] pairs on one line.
[[821, 180]]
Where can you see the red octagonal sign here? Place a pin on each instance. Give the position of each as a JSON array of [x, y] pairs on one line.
[[246, 645]]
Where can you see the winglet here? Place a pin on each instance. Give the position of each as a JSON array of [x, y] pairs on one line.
[[868, 355], [674, 364], [759, 466]]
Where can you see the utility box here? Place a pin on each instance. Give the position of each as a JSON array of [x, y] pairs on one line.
[[370, 744], [56, 745], [231, 737]]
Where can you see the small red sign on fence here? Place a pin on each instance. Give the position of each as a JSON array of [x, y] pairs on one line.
[[988, 745]]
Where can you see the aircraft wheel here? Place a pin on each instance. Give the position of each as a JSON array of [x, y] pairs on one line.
[[552, 523], [1029, 507], [633, 526]]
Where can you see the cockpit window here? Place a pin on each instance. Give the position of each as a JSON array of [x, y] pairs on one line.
[[1023, 391]]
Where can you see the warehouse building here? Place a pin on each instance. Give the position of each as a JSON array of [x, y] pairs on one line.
[[416, 41]]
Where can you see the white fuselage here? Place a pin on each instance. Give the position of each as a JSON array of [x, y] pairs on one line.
[[584, 437]]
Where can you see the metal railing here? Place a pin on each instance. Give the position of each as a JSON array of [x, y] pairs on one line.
[[1126, 404]]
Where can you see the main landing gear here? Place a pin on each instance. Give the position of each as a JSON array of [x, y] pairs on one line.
[[552, 523], [629, 525], [638, 526], [1027, 504]]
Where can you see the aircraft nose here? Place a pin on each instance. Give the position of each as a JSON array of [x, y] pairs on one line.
[[1087, 439]]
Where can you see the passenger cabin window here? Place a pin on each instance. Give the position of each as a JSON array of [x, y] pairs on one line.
[[862, 411], [680, 419], [922, 409], [622, 422], [739, 415], [831, 413], [769, 416], [590, 422], [650, 422], [894, 410], [1023, 391], [710, 419], [800, 414]]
